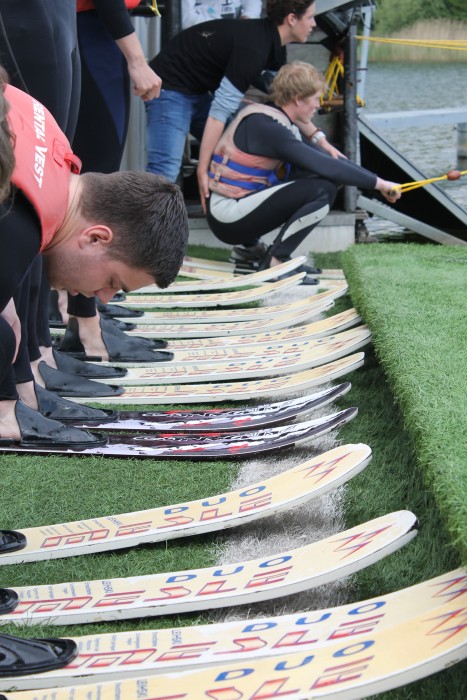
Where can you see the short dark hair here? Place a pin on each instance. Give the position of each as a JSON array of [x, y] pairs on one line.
[[277, 10], [147, 215]]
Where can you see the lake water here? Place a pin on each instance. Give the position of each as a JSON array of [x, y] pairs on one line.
[[393, 87]]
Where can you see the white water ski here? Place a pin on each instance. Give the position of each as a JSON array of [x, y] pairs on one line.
[[208, 330], [231, 391], [232, 268], [147, 301], [227, 282], [105, 657], [230, 364], [379, 661], [245, 582], [221, 347], [212, 316], [287, 490], [315, 301]]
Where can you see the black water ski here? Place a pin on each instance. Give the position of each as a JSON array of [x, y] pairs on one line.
[[207, 446], [222, 419]]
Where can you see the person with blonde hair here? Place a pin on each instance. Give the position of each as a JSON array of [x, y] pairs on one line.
[[274, 169]]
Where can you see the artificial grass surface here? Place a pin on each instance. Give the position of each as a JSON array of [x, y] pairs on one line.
[[413, 298], [38, 490], [50, 489], [393, 480]]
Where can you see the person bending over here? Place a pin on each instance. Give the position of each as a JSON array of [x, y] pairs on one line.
[[99, 233], [205, 71], [269, 171]]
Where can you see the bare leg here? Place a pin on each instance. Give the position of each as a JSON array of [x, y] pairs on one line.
[[26, 392], [91, 336], [9, 427]]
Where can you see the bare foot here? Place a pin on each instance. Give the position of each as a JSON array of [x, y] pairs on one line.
[[274, 262], [9, 428], [91, 337], [47, 355], [26, 392]]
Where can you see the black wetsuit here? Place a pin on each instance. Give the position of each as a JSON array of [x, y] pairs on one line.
[[38, 48], [105, 101], [296, 206]]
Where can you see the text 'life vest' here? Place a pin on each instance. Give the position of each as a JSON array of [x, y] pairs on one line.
[[44, 160]]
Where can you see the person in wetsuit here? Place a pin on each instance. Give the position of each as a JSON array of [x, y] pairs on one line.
[[39, 51], [112, 62], [269, 170], [98, 233]]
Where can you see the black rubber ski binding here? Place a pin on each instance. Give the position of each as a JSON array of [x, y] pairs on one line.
[[8, 600], [11, 541], [20, 657]]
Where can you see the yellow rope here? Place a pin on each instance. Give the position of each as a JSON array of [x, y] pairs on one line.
[[154, 8], [408, 186], [453, 45], [332, 74]]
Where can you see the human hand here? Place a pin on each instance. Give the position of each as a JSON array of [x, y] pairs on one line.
[[329, 148], [203, 187], [146, 83], [390, 190]]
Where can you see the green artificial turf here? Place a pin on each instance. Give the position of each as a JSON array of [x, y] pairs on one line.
[[39, 490], [414, 299], [394, 480]]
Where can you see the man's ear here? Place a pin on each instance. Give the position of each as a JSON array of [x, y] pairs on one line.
[[95, 235]]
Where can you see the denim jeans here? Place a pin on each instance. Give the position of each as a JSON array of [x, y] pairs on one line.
[[170, 118]]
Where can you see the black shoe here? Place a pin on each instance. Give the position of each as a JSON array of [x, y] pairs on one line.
[[71, 365], [120, 347], [307, 280], [66, 384], [243, 255], [309, 269], [57, 408], [37, 431], [113, 311]]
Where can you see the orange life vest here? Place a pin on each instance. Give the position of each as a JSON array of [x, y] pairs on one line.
[[234, 173], [44, 160], [82, 5]]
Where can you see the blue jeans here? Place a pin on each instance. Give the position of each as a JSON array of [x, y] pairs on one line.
[[170, 118]]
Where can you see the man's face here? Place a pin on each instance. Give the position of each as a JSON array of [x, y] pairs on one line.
[[93, 275], [307, 106], [303, 26]]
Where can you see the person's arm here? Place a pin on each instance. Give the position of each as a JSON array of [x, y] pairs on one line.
[[264, 136], [146, 83], [317, 136], [226, 101], [211, 135], [114, 15]]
